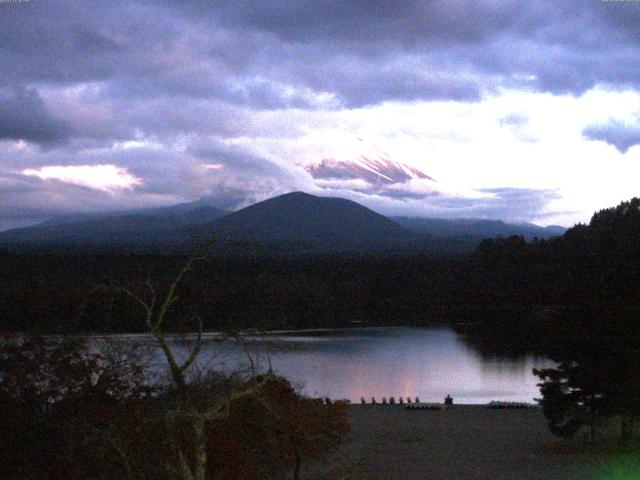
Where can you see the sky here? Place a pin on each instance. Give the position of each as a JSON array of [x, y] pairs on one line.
[[519, 110]]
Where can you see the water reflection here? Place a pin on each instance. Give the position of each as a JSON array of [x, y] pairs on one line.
[[398, 361]]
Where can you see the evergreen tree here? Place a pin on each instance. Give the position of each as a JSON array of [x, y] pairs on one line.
[[597, 376]]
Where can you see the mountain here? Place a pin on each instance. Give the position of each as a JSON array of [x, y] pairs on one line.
[[375, 171], [470, 227], [552, 230], [142, 227], [299, 217], [292, 223]]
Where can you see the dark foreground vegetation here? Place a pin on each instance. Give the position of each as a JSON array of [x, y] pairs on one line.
[[95, 410], [70, 414]]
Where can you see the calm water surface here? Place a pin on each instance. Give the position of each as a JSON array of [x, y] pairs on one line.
[[382, 362]]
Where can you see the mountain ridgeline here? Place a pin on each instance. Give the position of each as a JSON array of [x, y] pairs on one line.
[[294, 222], [477, 228]]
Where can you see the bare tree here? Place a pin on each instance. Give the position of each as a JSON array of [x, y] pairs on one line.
[[189, 410]]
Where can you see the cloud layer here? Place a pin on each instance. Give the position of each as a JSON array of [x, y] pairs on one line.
[[24, 116], [621, 135], [161, 91]]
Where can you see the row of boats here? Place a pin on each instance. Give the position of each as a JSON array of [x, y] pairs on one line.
[[499, 404]]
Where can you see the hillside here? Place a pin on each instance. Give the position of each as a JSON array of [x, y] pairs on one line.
[[473, 227], [302, 217], [149, 227]]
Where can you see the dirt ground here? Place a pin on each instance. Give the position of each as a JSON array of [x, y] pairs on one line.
[[465, 442]]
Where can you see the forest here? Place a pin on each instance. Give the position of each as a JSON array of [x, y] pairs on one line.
[[78, 293], [591, 276]]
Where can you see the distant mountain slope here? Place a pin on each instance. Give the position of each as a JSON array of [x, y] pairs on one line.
[[302, 217], [155, 225], [470, 227]]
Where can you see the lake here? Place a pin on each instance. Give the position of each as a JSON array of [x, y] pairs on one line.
[[383, 362]]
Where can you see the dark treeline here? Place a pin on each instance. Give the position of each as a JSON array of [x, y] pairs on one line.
[[82, 293], [585, 286], [589, 263], [590, 268]]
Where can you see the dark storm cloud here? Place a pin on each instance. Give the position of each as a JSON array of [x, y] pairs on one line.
[[59, 41], [23, 116], [27, 200], [564, 47], [407, 22], [621, 135], [278, 54], [234, 158]]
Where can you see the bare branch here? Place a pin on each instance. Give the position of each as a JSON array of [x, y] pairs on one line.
[[147, 308], [171, 297], [216, 411], [183, 467], [152, 291], [196, 349]]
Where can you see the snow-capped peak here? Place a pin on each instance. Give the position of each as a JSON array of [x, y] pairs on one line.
[[376, 171]]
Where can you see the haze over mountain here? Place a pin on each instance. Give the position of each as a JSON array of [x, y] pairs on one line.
[[198, 211]]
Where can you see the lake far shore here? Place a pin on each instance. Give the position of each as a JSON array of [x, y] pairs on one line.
[[466, 442]]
